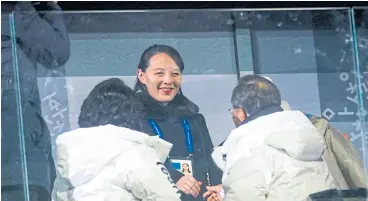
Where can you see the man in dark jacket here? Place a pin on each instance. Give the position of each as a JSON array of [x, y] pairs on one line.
[[25, 140]]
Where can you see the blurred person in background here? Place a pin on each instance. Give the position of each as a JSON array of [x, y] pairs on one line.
[[340, 151], [272, 154], [173, 117], [107, 158], [28, 37]]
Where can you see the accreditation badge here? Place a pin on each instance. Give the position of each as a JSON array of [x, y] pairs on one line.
[[183, 164]]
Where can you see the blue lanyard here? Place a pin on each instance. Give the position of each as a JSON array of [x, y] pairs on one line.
[[187, 132]]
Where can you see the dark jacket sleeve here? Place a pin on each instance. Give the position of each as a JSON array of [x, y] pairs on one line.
[[174, 174], [215, 173], [44, 33]]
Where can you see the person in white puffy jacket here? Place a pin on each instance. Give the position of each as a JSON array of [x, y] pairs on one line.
[[272, 154], [107, 159]]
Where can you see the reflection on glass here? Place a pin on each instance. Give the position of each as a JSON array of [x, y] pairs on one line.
[[11, 154], [38, 40]]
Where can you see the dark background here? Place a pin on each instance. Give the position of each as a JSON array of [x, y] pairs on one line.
[[112, 5]]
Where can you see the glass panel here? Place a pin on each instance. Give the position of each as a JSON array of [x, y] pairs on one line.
[[34, 44], [105, 45], [13, 171], [312, 50], [359, 17], [307, 53], [281, 46], [204, 40]]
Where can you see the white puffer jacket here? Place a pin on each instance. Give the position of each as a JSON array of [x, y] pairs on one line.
[[110, 163], [274, 157]]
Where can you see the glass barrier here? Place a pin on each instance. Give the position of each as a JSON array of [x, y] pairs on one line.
[[360, 36], [313, 50], [13, 174], [62, 56]]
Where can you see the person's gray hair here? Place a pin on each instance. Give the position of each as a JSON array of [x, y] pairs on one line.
[[254, 93]]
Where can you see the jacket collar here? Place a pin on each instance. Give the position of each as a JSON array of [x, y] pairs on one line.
[[180, 106], [258, 114], [261, 113]]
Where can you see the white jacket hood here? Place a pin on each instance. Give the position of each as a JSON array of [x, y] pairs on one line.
[[298, 137], [86, 151], [289, 131]]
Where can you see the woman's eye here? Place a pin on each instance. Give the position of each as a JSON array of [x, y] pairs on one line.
[[176, 74], [159, 73]]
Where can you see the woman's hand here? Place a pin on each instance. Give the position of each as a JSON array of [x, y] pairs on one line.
[[189, 185]]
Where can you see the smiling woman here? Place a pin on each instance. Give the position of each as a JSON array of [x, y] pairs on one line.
[[176, 119], [160, 71]]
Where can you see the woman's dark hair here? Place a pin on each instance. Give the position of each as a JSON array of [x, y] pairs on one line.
[[111, 102], [152, 51]]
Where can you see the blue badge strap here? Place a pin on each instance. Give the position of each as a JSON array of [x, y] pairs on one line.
[[187, 132], [188, 136], [156, 128]]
